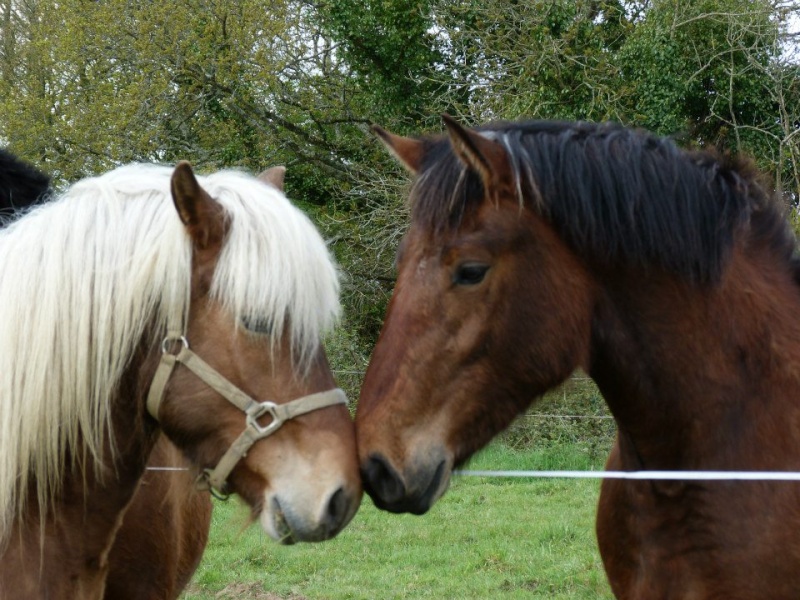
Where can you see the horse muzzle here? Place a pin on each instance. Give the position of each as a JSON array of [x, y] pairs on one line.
[[290, 520], [414, 492]]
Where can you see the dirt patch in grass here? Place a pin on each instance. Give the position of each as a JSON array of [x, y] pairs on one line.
[[249, 591]]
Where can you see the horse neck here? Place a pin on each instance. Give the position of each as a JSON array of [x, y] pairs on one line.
[[695, 370], [64, 554]]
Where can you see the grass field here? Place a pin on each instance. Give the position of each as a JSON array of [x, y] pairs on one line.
[[487, 538]]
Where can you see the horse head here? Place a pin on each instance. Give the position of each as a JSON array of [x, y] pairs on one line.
[[459, 356], [265, 421]]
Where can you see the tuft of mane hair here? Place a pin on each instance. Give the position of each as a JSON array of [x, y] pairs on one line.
[[614, 194], [90, 276]]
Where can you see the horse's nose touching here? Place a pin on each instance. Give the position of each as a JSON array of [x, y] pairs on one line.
[[382, 482], [413, 492]]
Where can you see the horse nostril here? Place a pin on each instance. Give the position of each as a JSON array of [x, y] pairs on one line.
[[337, 509], [382, 482]]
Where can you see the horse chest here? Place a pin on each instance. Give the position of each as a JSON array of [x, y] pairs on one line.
[[691, 543], [76, 535]]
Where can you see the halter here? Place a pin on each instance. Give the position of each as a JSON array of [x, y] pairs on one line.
[[215, 479]]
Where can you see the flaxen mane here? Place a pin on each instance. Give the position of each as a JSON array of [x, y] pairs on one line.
[[85, 276], [615, 194]]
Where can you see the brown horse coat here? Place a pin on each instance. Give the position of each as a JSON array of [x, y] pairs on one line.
[[668, 276]]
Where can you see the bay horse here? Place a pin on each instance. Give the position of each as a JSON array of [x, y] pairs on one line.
[[669, 276], [148, 302]]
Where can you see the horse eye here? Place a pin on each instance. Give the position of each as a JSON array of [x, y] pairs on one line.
[[257, 325], [470, 273]]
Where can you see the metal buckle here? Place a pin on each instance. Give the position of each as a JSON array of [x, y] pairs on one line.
[[257, 411], [169, 344], [203, 482]]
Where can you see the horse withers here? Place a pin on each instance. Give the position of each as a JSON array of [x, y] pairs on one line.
[[669, 276], [149, 301]]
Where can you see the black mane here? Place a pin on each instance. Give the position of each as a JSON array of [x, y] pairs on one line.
[[21, 185], [615, 194]]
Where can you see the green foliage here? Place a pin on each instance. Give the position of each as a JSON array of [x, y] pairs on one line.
[[708, 72], [537, 59], [88, 85], [700, 67], [128, 81], [392, 52], [219, 83]]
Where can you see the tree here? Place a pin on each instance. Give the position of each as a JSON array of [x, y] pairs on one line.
[[88, 85], [704, 70], [218, 83], [392, 52], [536, 59], [709, 72]]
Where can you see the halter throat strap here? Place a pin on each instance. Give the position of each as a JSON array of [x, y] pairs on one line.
[[214, 479]]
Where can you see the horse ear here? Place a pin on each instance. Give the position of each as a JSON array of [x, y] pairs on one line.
[[200, 213], [407, 150], [273, 176], [484, 156]]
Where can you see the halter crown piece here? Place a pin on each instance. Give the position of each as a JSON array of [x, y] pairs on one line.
[[214, 479]]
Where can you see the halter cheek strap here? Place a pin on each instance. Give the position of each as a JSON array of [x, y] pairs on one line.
[[214, 479]]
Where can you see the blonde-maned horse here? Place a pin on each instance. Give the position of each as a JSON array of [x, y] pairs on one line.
[[146, 302], [157, 561]]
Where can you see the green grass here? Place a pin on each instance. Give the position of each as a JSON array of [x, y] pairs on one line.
[[486, 538]]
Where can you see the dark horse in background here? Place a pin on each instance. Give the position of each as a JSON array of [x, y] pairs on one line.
[[21, 184], [165, 530], [669, 276]]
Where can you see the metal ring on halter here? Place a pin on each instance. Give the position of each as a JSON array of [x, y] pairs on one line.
[[172, 339], [258, 411], [203, 482]]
